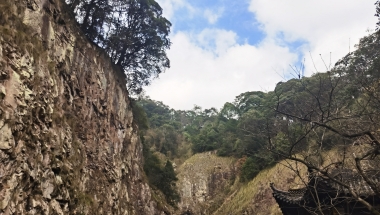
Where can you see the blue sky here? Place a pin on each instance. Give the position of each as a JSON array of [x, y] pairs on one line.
[[222, 48], [221, 14]]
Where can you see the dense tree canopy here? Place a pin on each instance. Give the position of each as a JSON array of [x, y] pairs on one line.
[[229, 130], [303, 119], [133, 32], [345, 98]]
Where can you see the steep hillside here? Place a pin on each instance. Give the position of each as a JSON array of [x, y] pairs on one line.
[[205, 180], [209, 184], [255, 197], [68, 144]]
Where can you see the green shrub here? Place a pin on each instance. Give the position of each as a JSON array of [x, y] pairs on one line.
[[162, 178]]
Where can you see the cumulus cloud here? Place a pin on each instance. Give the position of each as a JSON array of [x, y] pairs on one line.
[[324, 26], [208, 78], [216, 41], [170, 6], [210, 67], [212, 16]]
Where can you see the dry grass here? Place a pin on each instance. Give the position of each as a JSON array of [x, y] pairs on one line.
[[255, 197], [204, 163]]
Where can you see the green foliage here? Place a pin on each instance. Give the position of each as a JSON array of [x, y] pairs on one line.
[[139, 116], [157, 113], [166, 133], [207, 140], [250, 100], [160, 134], [133, 32], [163, 178], [267, 127], [164, 139], [261, 160], [249, 170], [168, 184]]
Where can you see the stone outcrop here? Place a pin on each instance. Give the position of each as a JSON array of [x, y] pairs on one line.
[[204, 182], [68, 144]]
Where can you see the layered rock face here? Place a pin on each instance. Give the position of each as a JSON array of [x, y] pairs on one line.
[[205, 180], [67, 141]]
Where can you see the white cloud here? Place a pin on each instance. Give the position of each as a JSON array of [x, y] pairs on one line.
[[200, 76], [327, 26], [212, 16], [210, 67], [170, 6], [217, 41]]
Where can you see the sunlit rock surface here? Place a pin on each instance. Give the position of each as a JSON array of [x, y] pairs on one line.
[[205, 180], [67, 142]]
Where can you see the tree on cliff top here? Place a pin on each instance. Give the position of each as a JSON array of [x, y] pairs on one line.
[[133, 32]]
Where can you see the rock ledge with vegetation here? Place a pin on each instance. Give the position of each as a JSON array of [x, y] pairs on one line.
[[68, 144]]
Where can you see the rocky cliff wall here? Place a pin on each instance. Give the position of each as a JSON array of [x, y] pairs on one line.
[[209, 185], [67, 140], [205, 180]]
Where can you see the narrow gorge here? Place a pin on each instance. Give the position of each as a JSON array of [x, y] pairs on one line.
[[78, 134]]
